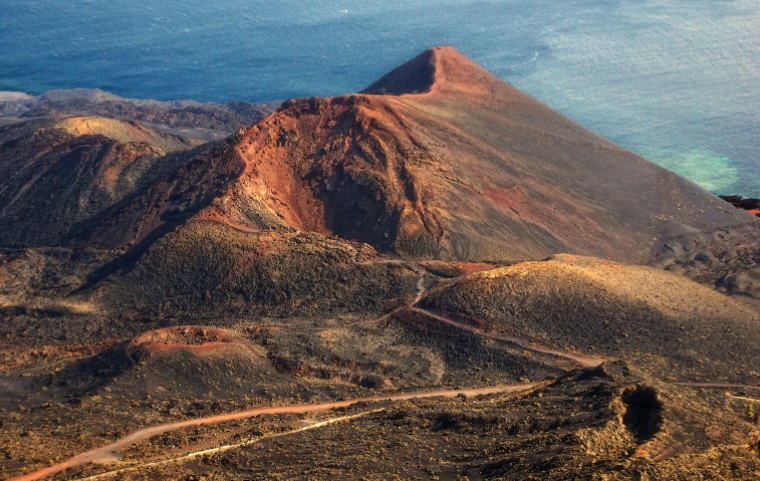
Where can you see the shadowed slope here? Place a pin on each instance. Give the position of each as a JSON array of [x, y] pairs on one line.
[[415, 76], [59, 173], [208, 270], [340, 166]]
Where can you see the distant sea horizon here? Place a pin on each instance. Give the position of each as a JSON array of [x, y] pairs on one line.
[[676, 82]]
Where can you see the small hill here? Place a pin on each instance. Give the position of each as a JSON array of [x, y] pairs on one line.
[[661, 320], [205, 269], [58, 174]]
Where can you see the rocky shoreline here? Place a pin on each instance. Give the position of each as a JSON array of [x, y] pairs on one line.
[[749, 204]]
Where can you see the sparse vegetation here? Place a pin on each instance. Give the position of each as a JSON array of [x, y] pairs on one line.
[[323, 254]]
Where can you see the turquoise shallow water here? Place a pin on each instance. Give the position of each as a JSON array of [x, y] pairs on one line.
[[674, 80]]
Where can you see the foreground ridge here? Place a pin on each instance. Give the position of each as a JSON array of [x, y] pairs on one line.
[[97, 454]]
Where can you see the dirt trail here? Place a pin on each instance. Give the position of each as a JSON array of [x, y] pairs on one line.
[[227, 447], [234, 225], [585, 361], [105, 453], [35, 369], [397, 262], [741, 398], [420, 290]]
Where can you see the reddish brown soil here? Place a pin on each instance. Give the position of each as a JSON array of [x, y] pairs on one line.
[[456, 164], [525, 175], [60, 174], [454, 269]]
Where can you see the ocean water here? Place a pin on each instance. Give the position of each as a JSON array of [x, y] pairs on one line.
[[677, 81]]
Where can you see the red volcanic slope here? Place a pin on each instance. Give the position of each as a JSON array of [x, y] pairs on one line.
[[517, 173], [470, 169], [453, 164]]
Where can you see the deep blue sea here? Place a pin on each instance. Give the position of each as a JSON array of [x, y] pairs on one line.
[[677, 81]]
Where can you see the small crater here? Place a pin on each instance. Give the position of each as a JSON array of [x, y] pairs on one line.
[[643, 415], [194, 338]]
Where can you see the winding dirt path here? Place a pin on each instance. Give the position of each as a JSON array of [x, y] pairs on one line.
[[105, 453], [30, 370], [585, 361], [227, 447]]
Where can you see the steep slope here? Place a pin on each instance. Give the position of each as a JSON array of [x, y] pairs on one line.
[[457, 164], [510, 169]]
